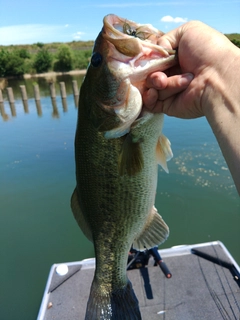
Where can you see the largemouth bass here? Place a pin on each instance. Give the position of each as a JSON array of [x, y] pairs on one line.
[[118, 147]]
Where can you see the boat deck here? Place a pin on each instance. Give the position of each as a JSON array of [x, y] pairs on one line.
[[205, 285]]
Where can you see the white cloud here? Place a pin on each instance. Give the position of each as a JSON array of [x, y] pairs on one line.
[[174, 20], [78, 35], [33, 33]]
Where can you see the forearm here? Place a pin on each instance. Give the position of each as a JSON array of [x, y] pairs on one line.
[[221, 105], [214, 91]]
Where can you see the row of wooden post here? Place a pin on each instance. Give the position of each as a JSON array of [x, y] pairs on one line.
[[24, 95], [10, 94]]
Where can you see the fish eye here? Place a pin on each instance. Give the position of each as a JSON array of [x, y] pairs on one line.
[[134, 33], [96, 59]]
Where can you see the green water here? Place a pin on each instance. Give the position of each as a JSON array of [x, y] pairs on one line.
[[197, 198]]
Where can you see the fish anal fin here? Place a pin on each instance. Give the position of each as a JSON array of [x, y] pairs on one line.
[[154, 232], [79, 216], [163, 152], [130, 159]]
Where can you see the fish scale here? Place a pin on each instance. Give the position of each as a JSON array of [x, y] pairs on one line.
[[117, 150]]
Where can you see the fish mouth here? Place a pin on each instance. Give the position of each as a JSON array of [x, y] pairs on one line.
[[131, 53], [136, 46]]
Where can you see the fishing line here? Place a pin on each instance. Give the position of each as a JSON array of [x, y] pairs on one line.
[[135, 257], [235, 300], [216, 300]]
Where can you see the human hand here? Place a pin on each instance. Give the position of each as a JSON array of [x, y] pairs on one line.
[[162, 90], [202, 52]]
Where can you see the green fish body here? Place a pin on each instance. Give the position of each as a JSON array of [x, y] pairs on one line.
[[118, 147]]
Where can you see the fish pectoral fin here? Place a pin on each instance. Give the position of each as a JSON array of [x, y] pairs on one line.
[[130, 159], [154, 232], [163, 152], [79, 216]]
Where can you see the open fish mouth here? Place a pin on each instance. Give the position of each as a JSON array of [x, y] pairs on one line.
[[130, 53], [136, 45]]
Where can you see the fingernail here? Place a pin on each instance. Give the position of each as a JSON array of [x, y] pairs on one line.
[[186, 79]]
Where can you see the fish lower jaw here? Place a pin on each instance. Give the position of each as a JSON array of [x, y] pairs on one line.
[[151, 59], [138, 70], [143, 67], [139, 67]]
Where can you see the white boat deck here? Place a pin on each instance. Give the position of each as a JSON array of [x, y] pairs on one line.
[[205, 285]]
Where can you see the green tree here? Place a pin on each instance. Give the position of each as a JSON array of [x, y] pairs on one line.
[[23, 53], [236, 42], [11, 63], [39, 44], [64, 59], [4, 55], [43, 61], [82, 58]]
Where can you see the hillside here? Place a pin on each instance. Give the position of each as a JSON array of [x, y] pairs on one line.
[[77, 45], [52, 47], [17, 60], [232, 36]]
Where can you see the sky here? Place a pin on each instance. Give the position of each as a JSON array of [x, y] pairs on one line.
[[28, 22]]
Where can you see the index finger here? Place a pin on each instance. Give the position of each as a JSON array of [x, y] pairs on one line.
[[171, 39]]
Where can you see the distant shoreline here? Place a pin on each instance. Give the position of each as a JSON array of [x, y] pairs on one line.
[[47, 74]]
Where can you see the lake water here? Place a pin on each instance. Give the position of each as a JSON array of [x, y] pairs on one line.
[[197, 199]]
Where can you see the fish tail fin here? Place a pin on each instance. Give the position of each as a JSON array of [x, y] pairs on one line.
[[121, 304]]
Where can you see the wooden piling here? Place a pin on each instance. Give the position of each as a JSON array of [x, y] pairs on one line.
[[36, 92], [52, 90], [11, 101], [75, 88], [39, 107], [55, 113], [76, 99], [23, 93], [1, 96], [25, 106], [64, 104], [13, 109], [10, 95], [75, 92], [37, 99], [24, 98], [63, 90], [2, 112]]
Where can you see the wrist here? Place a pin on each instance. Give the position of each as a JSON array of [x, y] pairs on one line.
[[222, 87], [221, 101]]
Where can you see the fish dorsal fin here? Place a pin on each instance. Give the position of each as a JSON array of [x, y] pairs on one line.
[[163, 152], [79, 216], [130, 159], [154, 232]]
